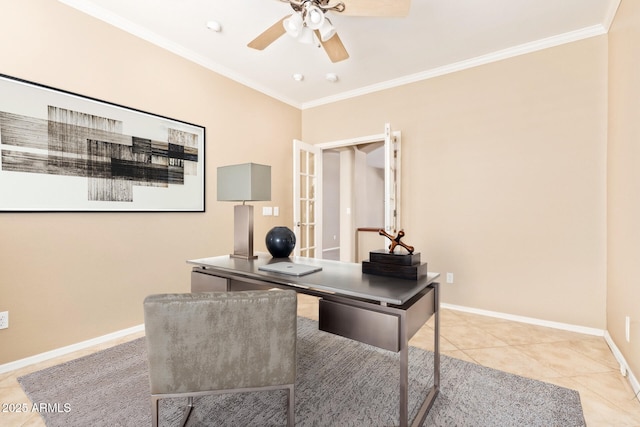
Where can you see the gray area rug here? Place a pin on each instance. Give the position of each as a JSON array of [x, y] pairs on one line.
[[340, 383]]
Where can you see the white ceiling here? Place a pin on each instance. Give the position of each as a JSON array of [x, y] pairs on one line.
[[438, 36]]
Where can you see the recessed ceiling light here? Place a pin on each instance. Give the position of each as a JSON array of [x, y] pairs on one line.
[[298, 77], [214, 26], [331, 77]]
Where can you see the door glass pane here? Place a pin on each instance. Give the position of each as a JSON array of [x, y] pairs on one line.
[[303, 161], [312, 253], [303, 187], [312, 187], [304, 230], [312, 235], [303, 212], [312, 170]]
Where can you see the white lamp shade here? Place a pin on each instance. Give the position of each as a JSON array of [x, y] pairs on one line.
[[327, 30], [244, 182], [314, 18], [306, 36], [293, 25]]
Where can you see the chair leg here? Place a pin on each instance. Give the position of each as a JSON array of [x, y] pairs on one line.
[[291, 408], [187, 411], [154, 411]]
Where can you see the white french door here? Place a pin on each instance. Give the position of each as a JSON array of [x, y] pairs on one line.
[[307, 199], [391, 180]]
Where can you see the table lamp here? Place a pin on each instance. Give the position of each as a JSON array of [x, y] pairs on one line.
[[245, 182]]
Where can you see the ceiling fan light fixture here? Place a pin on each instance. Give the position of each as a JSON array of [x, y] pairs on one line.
[[293, 25], [306, 35], [327, 30], [314, 17]]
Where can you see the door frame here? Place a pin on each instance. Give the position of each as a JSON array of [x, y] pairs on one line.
[[396, 139]]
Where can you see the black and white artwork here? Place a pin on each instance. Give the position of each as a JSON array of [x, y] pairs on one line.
[[61, 151]]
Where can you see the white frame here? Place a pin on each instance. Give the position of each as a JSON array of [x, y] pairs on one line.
[[57, 154]]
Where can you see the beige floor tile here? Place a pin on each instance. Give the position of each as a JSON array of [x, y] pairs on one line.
[[7, 380], [562, 357], [20, 410], [599, 412], [514, 333], [467, 337], [476, 319], [597, 349], [34, 420], [424, 339], [571, 360], [308, 306], [611, 386], [449, 317]]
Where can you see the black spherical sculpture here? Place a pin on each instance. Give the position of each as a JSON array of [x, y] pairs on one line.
[[280, 242]]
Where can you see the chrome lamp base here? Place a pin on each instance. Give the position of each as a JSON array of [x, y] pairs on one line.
[[243, 232]]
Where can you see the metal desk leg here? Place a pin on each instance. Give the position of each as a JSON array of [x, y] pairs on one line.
[[404, 373], [436, 338], [404, 368]]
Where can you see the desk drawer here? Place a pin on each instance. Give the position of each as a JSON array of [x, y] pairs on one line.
[[359, 324], [202, 282]]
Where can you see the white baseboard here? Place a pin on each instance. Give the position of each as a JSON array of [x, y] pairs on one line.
[[624, 366], [530, 320], [68, 349]]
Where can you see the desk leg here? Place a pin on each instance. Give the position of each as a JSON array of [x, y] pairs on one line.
[[404, 368], [404, 373], [436, 338]]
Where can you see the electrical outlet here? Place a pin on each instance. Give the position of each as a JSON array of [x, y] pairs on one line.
[[4, 320], [449, 277]]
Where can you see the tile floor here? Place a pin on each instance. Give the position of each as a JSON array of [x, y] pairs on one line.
[[568, 359]]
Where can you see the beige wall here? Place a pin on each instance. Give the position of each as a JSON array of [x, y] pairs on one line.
[[503, 178], [68, 277], [623, 292]]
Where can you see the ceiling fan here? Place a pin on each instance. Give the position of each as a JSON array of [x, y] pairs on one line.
[[308, 22]]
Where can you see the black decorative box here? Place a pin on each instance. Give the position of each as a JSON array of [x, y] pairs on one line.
[[383, 256], [402, 266]]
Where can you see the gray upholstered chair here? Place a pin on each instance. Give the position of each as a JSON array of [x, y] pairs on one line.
[[220, 342]]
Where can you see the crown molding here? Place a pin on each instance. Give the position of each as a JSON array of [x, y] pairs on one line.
[[140, 32], [572, 36], [611, 13]]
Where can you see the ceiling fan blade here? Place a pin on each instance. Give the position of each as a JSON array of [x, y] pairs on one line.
[[388, 8], [270, 35], [334, 48]]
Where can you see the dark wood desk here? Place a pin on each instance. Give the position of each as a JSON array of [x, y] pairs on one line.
[[380, 311]]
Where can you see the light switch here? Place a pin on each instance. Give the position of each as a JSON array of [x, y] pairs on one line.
[[267, 211], [276, 211]]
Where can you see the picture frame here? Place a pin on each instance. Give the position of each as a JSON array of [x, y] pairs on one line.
[[65, 152]]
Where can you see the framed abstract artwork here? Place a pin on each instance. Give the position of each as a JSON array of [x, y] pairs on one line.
[[61, 151]]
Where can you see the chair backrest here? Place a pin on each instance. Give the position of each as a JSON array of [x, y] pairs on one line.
[[220, 340]]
